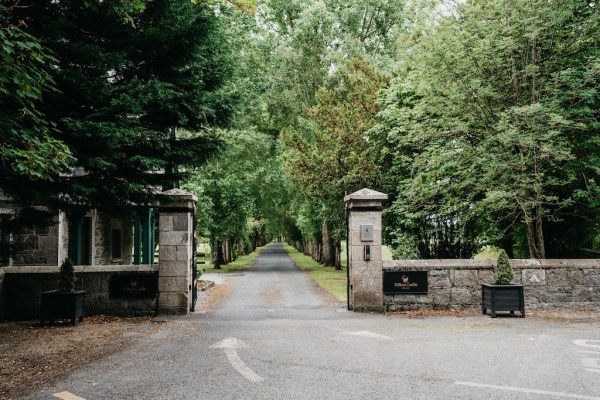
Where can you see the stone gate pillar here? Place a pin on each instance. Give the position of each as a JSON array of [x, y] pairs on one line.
[[176, 238], [364, 249]]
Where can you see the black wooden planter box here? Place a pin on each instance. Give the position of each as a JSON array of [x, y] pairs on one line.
[[502, 298], [62, 305]]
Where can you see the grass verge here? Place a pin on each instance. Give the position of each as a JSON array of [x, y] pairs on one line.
[[334, 282], [489, 253], [242, 263]]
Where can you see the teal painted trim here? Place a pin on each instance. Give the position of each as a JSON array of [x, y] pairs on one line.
[[147, 237], [75, 239], [137, 228], [152, 235]]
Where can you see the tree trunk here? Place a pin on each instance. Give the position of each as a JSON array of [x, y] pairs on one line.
[[535, 235], [531, 240], [232, 255], [328, 255], [539, 233], [338, 256], [226, 252], [317, 252], [217, 254]]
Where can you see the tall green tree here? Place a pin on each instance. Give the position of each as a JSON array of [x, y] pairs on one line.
[[313, 44], [336, 157], [493, 120], [27, 146], [238, 191], [127, 74]]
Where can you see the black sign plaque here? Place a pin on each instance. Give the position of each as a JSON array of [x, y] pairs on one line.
[[133, 286], [405, 282]]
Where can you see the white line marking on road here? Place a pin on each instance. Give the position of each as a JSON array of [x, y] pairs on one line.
[[588, 352], [230, 346], [531, 391], [587, 343], [368, 334], [67, 396], [359, 333]]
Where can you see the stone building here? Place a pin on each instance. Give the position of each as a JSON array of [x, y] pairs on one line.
[[94, 238]]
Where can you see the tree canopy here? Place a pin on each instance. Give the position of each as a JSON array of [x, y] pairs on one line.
[[126, 74], [493, 114], [28, 147], [479, 119]]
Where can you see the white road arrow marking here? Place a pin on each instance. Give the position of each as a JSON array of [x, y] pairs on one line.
[[67, 396], [230, 346]]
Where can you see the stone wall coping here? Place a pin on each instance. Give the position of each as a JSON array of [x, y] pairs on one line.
[[489, 264], [366, 194], [180, 194], [79, 269]]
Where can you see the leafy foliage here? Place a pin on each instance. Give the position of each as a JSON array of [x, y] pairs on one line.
[[238, 190], [329, 57], [483, 131], [332, 155], [479, 119], [128, 74], [28, 148]]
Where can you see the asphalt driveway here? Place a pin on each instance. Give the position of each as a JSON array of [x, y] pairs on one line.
[[276, 336]]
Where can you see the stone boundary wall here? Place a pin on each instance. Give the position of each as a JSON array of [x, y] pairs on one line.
[[456, 284], [21, 288]]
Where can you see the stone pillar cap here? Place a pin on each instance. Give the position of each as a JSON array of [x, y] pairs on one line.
[[366, 194], [182, 194]]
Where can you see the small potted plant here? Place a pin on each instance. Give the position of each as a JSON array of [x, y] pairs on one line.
[[501, 295], [66, 302]]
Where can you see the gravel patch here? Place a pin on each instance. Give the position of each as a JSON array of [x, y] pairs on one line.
[[31, 355]]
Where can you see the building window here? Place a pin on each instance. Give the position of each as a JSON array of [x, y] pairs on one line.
[[117, 244]]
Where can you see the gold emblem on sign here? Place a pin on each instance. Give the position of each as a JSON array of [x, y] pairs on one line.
[[406, 283], [134, 287]]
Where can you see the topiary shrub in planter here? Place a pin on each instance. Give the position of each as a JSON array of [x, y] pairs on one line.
[[66, 302], [66, 282], [501, 295]]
